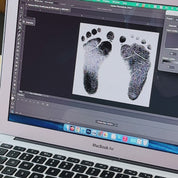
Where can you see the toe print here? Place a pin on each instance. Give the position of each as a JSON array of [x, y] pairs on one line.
[[96, 51], [94, 31], [138, 58], [110, 36], [122, 39]]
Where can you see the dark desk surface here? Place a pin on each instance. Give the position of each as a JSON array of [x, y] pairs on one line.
[[1, 30]]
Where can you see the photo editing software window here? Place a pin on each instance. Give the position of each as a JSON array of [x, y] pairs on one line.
[[110, 66]]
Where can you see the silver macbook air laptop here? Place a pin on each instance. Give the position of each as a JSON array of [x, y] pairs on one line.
[[89, 88]]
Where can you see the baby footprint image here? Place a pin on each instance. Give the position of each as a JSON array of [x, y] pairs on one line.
[[137, 57], [96, 51]]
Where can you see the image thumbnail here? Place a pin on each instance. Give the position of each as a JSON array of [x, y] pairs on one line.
[[115, 64]]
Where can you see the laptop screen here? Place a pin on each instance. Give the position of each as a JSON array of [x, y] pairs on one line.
[[97, 68]]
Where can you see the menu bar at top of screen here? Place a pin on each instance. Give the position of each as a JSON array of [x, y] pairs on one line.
[[136, 4]]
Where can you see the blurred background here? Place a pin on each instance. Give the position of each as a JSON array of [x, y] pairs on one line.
[[2, 10]]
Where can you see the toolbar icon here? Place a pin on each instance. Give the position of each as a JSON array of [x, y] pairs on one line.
[[125, 139], [72, 128]]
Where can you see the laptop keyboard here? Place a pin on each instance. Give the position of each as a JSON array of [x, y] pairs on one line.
[[21, 162]]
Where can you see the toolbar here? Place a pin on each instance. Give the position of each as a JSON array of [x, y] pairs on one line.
[[136, 4], [106, 135]]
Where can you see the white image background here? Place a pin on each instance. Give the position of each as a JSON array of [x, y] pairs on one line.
[[114, 74]]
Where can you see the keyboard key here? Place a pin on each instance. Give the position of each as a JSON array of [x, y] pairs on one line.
[[1, 175], [12, 162], [3, 151], [66, 174], [53, 171], [115, 169], [32, 151], [122, 176], [2, 159], [39, 159], [13, 154], [26, 165], [36, 175], [159, 177], [8, 146], [52, 162], [26, 157], [8, 170], [101, 166], [87, 163], [46, 154], [93, 171], [79, 168], [60, 157], [130, 172], [73, 160], [65, 165], [80, 176], [1, 167], [18, 148], [144, 175], [39, 168], [22, 173], [107, 174]]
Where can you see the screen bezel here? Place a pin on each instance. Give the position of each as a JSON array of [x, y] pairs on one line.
[[126, 152]]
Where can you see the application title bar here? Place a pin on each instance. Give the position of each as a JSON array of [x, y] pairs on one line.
[[137, 4]]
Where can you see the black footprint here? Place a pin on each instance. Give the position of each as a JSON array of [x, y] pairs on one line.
[[138, 58], [96, 52]]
